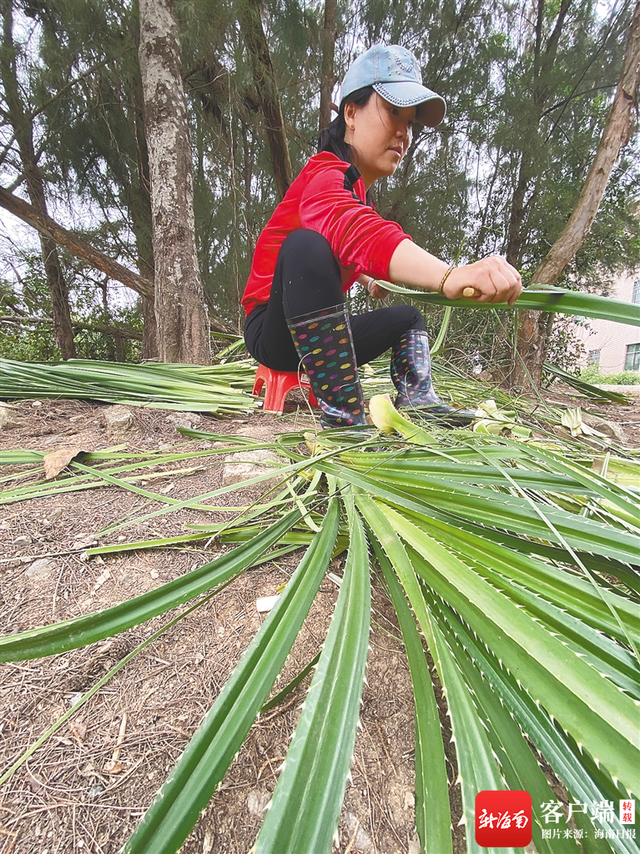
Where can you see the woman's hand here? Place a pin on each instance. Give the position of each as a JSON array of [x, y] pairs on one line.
[[376, 290], [373, 287], [493, 279]]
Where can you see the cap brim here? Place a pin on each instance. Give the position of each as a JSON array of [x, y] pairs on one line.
[[431, 106]]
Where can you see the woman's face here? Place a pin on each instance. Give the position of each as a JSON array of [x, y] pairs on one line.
[[379, 134]]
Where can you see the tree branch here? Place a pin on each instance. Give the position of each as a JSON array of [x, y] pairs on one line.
[[104, 328], [74, 244]]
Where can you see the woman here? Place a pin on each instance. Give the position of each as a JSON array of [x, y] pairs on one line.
[[324, 236]]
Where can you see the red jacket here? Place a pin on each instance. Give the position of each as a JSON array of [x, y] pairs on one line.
[[328, 196]]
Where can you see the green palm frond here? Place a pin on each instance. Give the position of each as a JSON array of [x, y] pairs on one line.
[[204, 763], [514, 565], [540, 298]]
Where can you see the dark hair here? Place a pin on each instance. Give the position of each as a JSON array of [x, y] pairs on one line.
[[332, 137]]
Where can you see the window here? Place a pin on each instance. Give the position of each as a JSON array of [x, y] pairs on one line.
[[635, 296], [632, 361], [594, 358]]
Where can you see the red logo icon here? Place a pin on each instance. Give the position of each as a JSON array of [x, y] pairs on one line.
[[503, 819]]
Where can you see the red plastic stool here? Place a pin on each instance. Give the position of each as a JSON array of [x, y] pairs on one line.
[[277, 385]]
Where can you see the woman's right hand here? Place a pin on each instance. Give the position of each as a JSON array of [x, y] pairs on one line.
[[493, 279]]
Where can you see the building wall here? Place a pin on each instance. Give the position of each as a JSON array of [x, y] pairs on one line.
[[612, 339]]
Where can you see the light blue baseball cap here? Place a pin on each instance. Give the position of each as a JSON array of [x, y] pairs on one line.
[[394, 73]]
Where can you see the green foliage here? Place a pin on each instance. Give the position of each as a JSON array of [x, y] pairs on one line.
[[565, 348], [591, 374], [28, 345], [20, 339]]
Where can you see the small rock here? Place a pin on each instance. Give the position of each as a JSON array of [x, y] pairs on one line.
[[8, 417], [22, 542], [119, 420], [95, 790], [609, 428], [414, 846], [247, 464], [257, 802], [187, 420], [362, 841], [40, 570], [265, 603]]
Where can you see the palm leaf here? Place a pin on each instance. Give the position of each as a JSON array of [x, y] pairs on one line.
[[584, 387], [433, 817], [541, 298], [306, 805], [506, 554], [584, 702], [204, 763], [518, 764], [583, 780], [219, 388]]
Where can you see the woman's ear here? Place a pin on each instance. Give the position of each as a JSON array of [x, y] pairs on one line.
[[350, 111]]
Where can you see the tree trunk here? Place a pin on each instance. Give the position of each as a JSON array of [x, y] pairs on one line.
[[50, 229], [267, 90], [533, 329], [327, 45], [617, 134], [183, 324], [23, 130]]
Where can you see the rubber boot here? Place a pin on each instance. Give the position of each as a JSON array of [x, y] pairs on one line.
[[411, 375], [324, 343]]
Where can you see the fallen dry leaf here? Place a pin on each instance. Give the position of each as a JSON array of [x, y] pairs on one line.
[[34, 784], [114, 766], [56, 461], [79, 730]]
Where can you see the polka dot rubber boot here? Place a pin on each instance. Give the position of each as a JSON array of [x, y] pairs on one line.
[[325, 346], [411, 375]]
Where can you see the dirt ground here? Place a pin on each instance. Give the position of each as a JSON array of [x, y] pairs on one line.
[[87, 787]]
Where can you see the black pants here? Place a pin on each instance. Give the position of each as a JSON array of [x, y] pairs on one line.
[[306, 279]]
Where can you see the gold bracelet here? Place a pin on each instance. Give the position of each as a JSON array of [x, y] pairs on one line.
[[444, 279]]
